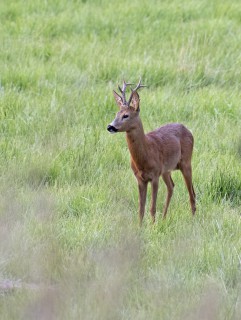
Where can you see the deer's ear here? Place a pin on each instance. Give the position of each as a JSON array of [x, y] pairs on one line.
[[135, 101], [118, 99]]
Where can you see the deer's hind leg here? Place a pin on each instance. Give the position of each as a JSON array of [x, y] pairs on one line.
[[186, 170]]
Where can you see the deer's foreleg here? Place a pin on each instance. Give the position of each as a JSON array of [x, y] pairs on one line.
[[142, 186], [154, 190], [170, 186]]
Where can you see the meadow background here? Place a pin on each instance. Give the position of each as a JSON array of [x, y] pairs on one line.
[[70, 245]]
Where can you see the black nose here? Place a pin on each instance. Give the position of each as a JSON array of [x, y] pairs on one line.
[[110, 128]]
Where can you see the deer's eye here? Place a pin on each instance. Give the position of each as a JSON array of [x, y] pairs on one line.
[[125, 116]]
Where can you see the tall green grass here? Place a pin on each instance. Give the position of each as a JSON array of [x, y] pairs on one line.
[[70, 246]]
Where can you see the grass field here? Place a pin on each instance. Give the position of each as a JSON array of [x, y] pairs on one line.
[[69, 235]]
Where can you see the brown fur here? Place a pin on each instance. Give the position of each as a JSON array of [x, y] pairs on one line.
[[155, 154]]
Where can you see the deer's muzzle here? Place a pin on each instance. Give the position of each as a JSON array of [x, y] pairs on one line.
[[111, 129]]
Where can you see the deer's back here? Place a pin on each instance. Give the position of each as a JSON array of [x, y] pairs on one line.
[[170, 131], [174, 143]]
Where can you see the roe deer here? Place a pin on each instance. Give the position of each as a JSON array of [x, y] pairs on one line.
[[154, 154]]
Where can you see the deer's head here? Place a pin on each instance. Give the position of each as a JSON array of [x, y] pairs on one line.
[[128, 114]]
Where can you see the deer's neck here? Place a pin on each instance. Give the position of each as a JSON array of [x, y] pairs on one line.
[[137, 145]]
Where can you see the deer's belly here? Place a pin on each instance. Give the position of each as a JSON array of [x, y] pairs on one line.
[[171, 162]]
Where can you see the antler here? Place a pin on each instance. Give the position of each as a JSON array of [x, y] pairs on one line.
[[139, 85], [123, 91]]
